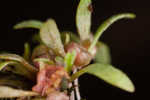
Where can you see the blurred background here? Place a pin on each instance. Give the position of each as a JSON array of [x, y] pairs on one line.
[[129, 40]]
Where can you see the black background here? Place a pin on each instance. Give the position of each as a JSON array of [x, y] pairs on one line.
[[129, 40]]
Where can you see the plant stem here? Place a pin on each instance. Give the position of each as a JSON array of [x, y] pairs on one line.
[[72, 96], [77, 91]]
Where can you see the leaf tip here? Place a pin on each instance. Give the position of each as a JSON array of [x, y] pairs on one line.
[[15, 27], [28, 24], [131, 88], [129, 15], [132, 15]]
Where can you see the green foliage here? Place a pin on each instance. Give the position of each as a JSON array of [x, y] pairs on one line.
[[51, 51], [109, 74], [43, 61], [20, 60], [103, 54], [83, 19], [50, 36], [29, 24], [8, 78], [27, 52], [106, 24], [17, 68], [73, 36], [67, 39], [6, 63], [69, 61]]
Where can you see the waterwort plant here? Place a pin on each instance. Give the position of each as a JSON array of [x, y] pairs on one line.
[[51, 70]]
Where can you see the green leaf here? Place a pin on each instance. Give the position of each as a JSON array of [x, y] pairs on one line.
[[109, 74], [72, 35], [103, 54], [8, 92], [27, 52], [29, 24], [67, 39], [45, 60], [6, 63], [14, 80], [83, 19], [17, 68], [69, 61], [21, 70], [50, 36], [19, 59], [106, 24]]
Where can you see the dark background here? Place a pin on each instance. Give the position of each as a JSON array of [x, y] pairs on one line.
[[129, 40]]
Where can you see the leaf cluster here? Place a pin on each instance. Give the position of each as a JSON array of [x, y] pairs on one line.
[[51, 51]]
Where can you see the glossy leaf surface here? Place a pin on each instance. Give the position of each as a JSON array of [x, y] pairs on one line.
[[109, 74]]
